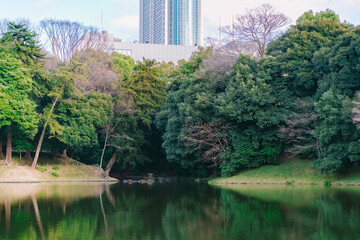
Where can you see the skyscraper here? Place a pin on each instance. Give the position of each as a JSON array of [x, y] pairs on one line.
[[175, 22]]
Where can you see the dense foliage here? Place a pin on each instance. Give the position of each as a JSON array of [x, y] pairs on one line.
[[205, 116], [279, 104]]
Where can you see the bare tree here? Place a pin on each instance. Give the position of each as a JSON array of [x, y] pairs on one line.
[[208, 136], [97, 70], [64, 37], [259, 26], [232, 49], [356, 112], [297, 132], [3, 26]]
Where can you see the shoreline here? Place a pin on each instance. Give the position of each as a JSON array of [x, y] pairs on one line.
[[291, 172], [55, 172], [215, 183], [64, 181]]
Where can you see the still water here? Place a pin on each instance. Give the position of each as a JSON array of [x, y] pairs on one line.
[[177, 211]]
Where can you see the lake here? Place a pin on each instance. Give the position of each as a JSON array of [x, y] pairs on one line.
[[178, 211]]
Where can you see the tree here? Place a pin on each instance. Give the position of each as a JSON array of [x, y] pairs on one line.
[[20, 74], [339, 64], [294, 52], [356, 111], [141, 96], [97, 70], [62, 78], [146, 87], [260, 26], [65, 37], [187, 111], [123, 64], [339, 145], [232, 49], [296, 132], [249, 108], [17, 109]]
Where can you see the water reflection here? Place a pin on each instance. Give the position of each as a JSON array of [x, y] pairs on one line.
[[177, 211]]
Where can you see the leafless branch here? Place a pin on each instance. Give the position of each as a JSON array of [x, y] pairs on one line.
[[208, 136], [259, 26], [356, 112], [65, 37], [297, 131], [122, 148]]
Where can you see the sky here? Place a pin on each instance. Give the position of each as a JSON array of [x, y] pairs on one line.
[[121, 17]]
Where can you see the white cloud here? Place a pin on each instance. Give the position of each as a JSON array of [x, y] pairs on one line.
[[127, 22]]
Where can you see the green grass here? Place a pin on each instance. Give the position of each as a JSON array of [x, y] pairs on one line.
[[56, 167], [54, 174], [41, 168], [290, 172]]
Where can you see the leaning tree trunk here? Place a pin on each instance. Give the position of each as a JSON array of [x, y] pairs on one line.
[[38, 148], [8, 158], [64, 154], [28, 155], [1, 151], [110, 165]]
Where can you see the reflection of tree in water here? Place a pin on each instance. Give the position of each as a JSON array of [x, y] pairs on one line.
[[178, 211], [331, 214], [338, 217], [249, 218]]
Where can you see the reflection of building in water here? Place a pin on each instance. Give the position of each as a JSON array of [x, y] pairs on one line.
[[138, 51]]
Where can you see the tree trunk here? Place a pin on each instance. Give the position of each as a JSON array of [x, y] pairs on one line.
[[38, 148], [37, 215], [64, 153], [103, 151], [1, 151], [28, 155], [8, 159], [110, 165]]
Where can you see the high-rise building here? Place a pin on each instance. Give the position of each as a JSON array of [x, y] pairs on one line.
[[174, 22]]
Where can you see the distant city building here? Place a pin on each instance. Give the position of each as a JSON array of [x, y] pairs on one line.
[[153, 16], [173, 22], [159, 52], [138, 51]]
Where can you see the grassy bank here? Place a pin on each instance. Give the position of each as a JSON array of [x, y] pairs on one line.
[[60, 169], [289, 172]]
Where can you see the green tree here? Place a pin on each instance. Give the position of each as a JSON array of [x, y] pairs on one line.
[[295, 49], [188, 106], [17, 109], [340, 64], [20, 42], [339, 145], [123, 64], [131, 133], [250, 109]]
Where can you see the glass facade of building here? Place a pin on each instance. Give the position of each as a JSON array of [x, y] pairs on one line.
[[174, 22], [153, 21], [184, 22]]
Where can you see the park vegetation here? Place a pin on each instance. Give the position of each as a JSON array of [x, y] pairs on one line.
[[215, 114]]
